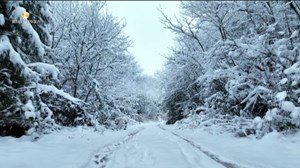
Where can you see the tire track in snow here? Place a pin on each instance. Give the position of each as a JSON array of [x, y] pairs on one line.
[[192, 162], [207, 153], [101, 157]]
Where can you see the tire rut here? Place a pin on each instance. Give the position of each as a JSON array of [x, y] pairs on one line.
[[207, 153], [100, 158]]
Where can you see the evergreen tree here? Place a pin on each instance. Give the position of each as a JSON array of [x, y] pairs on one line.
[[29, 101]]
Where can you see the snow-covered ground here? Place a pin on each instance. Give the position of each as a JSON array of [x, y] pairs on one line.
[[272, 151], [69, 148], [147, 146], [154, 147]]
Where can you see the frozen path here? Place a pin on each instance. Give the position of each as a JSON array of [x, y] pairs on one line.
[[149, 145], [153, 147]]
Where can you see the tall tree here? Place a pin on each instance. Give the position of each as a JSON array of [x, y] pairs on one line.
[[248, 56], [29, 100]]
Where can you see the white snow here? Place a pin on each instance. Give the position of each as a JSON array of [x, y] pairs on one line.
[[29, 110], [283, 81], [281, 32], [258, 122], [287, 106], [272, 151], [294, 83], [29, 94], [295, 34], [295, 68], [29, 106], [51, 88], [45, 108], [29, 114], [2, 20], [45, 68], [154, 147], [17, 13], [296, 113], [271, 114], [13, 55], [281, 96], [25, 24], [69, 148], [150, 147]]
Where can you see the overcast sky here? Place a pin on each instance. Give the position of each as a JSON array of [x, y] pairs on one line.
[[151, 40]]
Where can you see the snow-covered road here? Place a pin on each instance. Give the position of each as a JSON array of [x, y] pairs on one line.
[[155, 147], [149, 145]]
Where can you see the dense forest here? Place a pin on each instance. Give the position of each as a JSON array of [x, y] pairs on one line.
[[235, 65], [68, 65]]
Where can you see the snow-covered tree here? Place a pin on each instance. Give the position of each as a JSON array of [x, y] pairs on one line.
[[30, 102], [95, 63], [243, 53]]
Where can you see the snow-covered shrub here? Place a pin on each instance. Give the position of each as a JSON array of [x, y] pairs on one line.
[[285, 112], [212, 121], [256, 102]]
